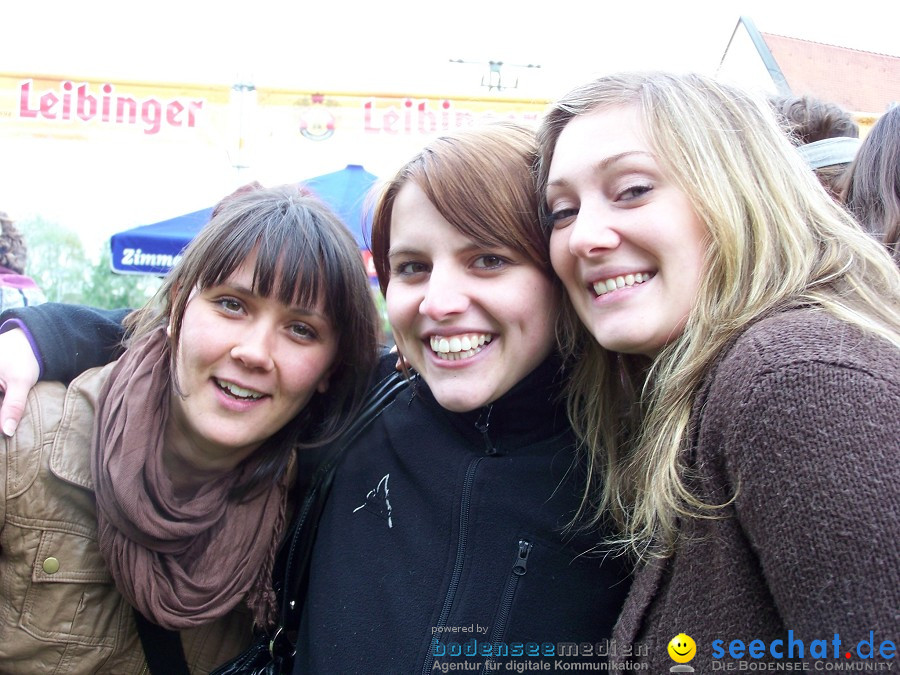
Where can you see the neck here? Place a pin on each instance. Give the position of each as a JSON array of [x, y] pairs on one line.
[[190, 465]]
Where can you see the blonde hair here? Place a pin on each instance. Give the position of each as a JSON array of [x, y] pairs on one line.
[[777, 240]]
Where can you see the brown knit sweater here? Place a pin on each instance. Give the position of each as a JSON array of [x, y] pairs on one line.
[[801, 419]]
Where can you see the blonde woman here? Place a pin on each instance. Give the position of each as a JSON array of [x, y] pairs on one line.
[[749, 331]]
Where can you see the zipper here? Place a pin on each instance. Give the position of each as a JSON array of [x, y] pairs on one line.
[[482, 425], [458, 564], [519, 568]]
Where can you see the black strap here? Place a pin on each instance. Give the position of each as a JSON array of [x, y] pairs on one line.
[[302, 535], [162, 648]]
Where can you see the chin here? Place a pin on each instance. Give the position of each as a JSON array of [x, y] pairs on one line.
[[622, 344], [457, 402]]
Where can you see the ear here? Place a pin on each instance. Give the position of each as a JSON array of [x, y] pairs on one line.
[[169, 330]]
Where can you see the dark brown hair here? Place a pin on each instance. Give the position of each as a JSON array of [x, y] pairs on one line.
[[807, 119], [304, 256]]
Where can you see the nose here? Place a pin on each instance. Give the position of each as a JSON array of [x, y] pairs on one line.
[[445, 295], [592, 233], [254, 345]]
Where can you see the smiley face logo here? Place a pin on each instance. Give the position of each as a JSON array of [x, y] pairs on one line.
[[682, 648]]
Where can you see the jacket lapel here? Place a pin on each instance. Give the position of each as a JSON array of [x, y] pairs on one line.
[[70, 456], [643, 590]]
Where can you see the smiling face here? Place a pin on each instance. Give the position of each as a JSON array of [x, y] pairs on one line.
[[473, 320], [682, 648], [626, 242], [246, 365]]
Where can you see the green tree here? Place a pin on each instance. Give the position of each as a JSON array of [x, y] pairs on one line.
[[112, 290], [59, 265]]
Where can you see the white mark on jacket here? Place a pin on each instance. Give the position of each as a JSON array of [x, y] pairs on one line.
[[377, 501]]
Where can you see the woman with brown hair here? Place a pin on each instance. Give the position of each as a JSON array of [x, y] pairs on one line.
[[160, 482]]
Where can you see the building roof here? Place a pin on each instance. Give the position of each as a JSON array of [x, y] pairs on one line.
[[854, 79]]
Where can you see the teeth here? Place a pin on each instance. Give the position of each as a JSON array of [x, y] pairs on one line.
[[604, 286], [238, 392], [459, 347]]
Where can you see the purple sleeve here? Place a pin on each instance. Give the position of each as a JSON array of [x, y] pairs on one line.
[[10, 324]]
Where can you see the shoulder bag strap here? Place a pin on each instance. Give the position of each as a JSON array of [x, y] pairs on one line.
[[306, 522]]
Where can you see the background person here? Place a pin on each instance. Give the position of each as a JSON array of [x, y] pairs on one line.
[[16, 289], [752, 331], [825, 134], [872, 191], [160, 481]]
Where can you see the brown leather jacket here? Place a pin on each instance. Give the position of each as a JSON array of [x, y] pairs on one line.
[[59, 609]]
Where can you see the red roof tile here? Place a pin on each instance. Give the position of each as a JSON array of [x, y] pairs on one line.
[[856, 80]]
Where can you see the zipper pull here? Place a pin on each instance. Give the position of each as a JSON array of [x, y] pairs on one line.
[[482, 425], [519, 568]]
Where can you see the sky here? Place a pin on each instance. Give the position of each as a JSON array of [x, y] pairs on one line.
[[353, 44], [372, 46]]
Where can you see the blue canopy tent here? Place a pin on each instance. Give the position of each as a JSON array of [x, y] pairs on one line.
[[154, 249]]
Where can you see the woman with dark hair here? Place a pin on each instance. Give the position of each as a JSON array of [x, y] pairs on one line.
[[872, 192], [160, 482]]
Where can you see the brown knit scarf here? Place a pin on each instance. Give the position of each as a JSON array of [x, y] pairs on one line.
[[181, 563]]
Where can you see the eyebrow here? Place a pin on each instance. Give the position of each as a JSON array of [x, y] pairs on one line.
[[294, 309], [602, 165], [472, 246]]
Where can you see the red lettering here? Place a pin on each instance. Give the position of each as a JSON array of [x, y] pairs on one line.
[[48, 102], [78, 103], [151, 113], [173, 110], [407, 118], [123, 102], [464, 118], [445, 115], [194, 107], [391, 117], [67, 101], [107, 90], [426, 114], [367, 117], [24, 96], [87, 105]]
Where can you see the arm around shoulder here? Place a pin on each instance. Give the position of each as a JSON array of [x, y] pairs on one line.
[[71, 338]]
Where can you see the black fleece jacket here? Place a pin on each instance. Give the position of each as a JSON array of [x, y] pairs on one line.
[[444, 528]]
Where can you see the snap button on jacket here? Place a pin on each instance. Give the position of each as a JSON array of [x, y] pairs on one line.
[[59, 609]]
